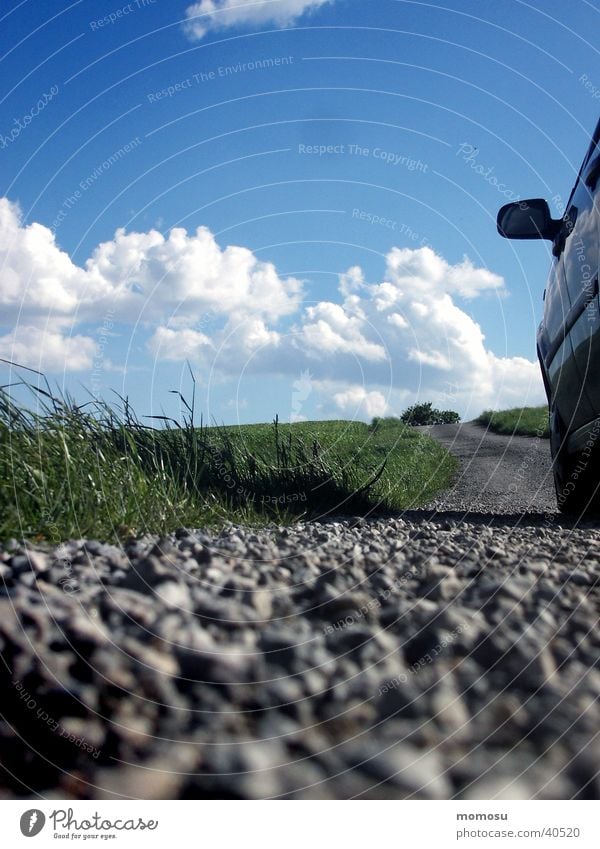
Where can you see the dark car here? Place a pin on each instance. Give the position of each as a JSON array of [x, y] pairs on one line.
[[568, 339]]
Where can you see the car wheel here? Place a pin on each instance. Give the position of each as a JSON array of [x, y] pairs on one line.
[[575, 477]]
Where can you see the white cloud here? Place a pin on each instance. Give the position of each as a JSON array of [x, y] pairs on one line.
[[358, 403], [209, 15], [406, 338], [514, 382], [403, 338], [47, 350], [168, 344], [183, 277], [435, 359], [141, 276], [329, 329], [171, 282], [35, 276], [423, 270], [254, 334], [432, 347]]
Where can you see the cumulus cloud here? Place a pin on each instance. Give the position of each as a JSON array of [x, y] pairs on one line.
[[330, 329], [209, 15], [358, 402], [187, 344], [35, 276], [404, 338], [424, 271], [187, 276], [372, 350], [425, 325], [410, 333], [47, 350], [169, 282]]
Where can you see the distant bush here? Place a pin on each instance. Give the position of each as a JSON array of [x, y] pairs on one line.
[[427, 414]]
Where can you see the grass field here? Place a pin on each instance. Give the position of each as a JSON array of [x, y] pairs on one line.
[[524, 421], [94, 471]]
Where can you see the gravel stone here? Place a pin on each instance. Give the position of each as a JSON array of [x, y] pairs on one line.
[[432, 655]]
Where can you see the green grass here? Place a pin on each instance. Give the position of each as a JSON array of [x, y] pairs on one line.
[[524, 421], [80, 471]]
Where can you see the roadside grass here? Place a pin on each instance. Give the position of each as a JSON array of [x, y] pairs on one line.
[[523, 421], [69, 470]]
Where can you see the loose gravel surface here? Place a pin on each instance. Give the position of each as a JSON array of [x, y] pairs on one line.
[[430, 656], [497, 474]]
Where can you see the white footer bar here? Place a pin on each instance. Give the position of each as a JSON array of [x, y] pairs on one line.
[[300, 825]]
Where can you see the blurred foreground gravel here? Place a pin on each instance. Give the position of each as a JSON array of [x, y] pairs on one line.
[[431, 656]]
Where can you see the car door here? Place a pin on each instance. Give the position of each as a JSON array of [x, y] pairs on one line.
[[579, 261], [555, 350]]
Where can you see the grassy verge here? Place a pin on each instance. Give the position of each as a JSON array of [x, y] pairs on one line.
[[524, 421], [72, 471]]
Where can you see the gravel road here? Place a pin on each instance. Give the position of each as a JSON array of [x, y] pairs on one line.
[[435, 655], [497, 474]]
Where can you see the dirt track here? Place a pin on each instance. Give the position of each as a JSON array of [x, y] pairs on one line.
[[498, 474]]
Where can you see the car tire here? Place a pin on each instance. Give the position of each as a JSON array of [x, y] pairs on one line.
[[575, 478]]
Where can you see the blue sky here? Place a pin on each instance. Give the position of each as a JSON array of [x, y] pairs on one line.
[[297, 197]]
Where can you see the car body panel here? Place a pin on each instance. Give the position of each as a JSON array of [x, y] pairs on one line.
[[580, 262], [569, 335], [568, 338]]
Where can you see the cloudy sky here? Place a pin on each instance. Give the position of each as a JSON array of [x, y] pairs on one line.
[[296, 197]]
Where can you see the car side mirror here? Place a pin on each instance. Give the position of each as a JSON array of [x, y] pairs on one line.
[[527, 219]]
